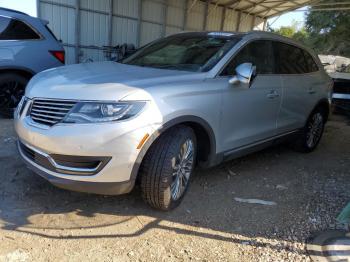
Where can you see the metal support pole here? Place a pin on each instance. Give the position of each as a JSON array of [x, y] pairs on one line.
[[139, 20], [253, 22], [38, 8], [110, 22], [184, 22], [223, 19], [206, 12], [164, 18], [265, 24], [238, 21], [77, 30]]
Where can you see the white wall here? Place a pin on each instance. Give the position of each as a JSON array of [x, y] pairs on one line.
[[132, 21]]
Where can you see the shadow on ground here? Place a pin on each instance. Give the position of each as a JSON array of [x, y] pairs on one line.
[[309, 191]]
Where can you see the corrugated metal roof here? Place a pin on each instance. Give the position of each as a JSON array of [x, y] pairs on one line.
[[262, 8]]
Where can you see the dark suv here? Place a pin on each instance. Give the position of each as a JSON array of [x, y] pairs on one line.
[[27, 47]]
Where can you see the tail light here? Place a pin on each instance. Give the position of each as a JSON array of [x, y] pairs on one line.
[[59, 55]]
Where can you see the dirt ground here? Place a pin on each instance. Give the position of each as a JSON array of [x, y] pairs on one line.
[[39, 222]]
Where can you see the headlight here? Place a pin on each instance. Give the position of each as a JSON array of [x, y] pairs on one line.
[[98, 112]]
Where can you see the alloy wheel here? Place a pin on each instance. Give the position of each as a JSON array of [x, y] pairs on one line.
[[315, 129], [11, 92], [182, 169]]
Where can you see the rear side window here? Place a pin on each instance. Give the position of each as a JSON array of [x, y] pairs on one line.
[[289, 59], [259, 53], [312, 66], [51, 33], [13, 29]]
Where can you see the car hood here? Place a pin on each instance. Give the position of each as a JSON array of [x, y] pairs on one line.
[[101, 81]]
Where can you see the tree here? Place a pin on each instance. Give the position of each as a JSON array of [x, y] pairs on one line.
[[294, 31], [287, 31], [329, 31]]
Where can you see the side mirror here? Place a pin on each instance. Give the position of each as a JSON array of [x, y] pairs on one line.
[[244, 73]]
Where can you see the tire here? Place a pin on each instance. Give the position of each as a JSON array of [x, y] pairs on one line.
[[12, 87], [310, 136], [167, 166]]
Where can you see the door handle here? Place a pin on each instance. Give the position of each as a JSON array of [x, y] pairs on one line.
[[273, 94]]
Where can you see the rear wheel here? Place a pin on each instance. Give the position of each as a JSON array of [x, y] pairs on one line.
[[312, 133], [167, 168], [12, 88]]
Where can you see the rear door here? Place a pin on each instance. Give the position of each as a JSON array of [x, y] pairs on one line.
[[300, 77]]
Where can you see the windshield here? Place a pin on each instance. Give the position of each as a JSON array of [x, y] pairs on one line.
[[188, 52]]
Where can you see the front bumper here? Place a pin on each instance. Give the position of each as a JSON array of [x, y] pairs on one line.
[[341, 101], [103, 188], [116, 144]]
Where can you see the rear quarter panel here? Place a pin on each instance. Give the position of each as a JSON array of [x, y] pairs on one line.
[[32, 55]]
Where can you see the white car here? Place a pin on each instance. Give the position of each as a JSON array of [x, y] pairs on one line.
[[185, 100]]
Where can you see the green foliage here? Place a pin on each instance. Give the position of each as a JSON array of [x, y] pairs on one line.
[[287, 31], [327, 32], [294, 31]]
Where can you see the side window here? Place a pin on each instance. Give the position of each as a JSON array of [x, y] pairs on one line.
[[289, 59], [311, 64], [12, 29], [258, 53]]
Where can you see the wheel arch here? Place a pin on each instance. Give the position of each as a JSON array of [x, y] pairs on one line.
[[206, 141], [324, 105], [25, 72]]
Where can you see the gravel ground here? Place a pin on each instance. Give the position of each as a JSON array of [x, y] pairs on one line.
[[39, 222]]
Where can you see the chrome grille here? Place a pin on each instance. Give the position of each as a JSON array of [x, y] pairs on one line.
[[50, 112]]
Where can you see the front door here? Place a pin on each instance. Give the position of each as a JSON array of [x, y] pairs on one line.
[[250, 111]]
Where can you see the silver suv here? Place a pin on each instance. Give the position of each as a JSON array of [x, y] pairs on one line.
[[186, 100], [27, 47]]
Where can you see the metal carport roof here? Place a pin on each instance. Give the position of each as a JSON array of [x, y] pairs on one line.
[[262, 8], [86, 27]]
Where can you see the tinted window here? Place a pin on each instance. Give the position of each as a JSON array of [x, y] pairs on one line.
[[258, 53], [312, 66], [289, 59], [189, 52], [12, 29], [50, 31]]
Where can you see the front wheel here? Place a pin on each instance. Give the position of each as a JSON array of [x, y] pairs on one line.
[[312, 133], [167, 168]]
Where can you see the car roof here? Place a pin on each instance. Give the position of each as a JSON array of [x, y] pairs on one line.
[[251, 35], [209, 33], [2, 9], [17, 15], [21, 16]]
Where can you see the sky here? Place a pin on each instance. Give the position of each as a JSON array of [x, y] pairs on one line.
[[288, 18], [26, 6], [29, 7]]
